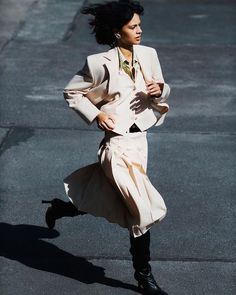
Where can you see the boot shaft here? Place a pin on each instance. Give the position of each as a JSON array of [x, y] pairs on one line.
[[140, 251]]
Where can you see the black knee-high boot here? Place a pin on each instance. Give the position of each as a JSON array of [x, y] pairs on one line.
[[140, 251], [59, 209]]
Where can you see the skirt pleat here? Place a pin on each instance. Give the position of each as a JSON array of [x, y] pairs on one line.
[[117, 187]]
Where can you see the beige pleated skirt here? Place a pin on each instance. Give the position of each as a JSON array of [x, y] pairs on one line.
[[117, 186]]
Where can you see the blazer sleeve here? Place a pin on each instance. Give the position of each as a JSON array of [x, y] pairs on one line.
[[158, 77], [159, 104], [75, 91]]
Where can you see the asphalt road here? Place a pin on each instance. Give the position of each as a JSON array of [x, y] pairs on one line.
[[191, 157]]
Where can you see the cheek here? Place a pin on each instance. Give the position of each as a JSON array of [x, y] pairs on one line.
[[129, 35]]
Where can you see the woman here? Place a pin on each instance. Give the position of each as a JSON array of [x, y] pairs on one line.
[[123, 90]]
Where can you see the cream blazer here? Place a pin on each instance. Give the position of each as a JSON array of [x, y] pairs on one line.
[[95, 85]]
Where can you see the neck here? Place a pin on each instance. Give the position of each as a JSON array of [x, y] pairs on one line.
[[127, 51]]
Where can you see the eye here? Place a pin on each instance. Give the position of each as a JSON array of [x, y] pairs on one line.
[[135, 26]]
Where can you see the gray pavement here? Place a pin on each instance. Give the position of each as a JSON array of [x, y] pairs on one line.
[[13, 14], [191, 157]]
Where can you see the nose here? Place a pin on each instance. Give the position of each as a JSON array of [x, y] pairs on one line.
[[139, 30]]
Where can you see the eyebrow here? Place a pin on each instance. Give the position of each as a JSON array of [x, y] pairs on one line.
[[135, 25]]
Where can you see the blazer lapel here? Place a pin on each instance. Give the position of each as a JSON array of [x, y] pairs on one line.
[[112, 64], [144, 62], [111, 58]]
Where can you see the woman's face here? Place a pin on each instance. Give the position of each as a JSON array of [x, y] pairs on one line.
[[131, 32]]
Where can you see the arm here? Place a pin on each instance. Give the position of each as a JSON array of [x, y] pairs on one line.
[[164, 89], [74, 94]]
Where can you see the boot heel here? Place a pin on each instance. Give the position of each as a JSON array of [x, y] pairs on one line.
[[46, 202], [140, 286]]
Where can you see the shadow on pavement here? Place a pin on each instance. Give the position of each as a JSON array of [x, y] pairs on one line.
[[23, 243]]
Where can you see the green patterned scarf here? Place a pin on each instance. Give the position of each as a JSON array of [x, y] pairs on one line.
[[124, 65]]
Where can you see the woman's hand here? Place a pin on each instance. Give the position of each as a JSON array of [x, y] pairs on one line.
[[154, 89], [105, 121]]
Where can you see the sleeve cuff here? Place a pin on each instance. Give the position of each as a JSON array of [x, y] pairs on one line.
[[85, 108], [164, 95]]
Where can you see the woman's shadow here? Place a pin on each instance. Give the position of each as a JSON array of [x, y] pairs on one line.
[[23, 243]]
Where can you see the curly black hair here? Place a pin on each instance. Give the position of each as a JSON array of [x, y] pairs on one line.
[[110, 17]]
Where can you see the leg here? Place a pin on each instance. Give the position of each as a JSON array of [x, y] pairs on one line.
[[140, 251], [60, 209]]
